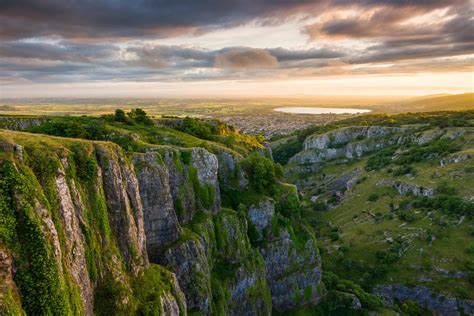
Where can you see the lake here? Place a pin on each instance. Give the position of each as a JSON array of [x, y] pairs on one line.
[[302, 110]]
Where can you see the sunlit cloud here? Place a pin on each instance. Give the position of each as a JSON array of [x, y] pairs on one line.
[[235, 44]]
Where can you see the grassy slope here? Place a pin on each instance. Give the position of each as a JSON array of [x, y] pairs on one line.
[[364, 235], [456, 102]]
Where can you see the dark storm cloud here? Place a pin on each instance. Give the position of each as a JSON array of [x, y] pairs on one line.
[[165, 18], [121, 18], [64, 51]]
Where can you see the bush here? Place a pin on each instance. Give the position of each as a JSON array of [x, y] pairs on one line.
[[148, 289], [373, 197], [470, 249], [334, 236], [453, 205], [120, 116], [320, 206], [407, 216], [404, 170], [446, 188], [436, 148], [139, 116], [260, 171], [411, 308], [380, 160]]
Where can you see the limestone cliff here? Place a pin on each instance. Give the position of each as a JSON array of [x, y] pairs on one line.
[[92, 230]]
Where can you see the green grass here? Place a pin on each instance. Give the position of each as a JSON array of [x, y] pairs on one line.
[[367, 226]]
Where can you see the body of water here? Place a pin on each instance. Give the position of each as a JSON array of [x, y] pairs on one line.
[[302, 110]]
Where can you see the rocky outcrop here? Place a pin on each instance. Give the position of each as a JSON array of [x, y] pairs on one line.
[[9, 297], [98, 216], [193, 181], [344, 182], [70, 214], [455, 158], [206, 165], [229, 172], [124, 205], [345, 135], [161, 222], [346, 143], [405, 188], [440, 304], [189, 262], [293, 274], [261, 216], [171, 301], [20, 123]]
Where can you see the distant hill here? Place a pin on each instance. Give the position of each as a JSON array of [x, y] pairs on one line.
[[444, 102]]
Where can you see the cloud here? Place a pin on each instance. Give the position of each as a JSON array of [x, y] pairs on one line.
[[245, 58], [128, 19], [161, 56], [72, 41], [63, 51]]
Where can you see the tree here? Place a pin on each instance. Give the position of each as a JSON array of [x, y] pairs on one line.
[[260, 171], [140, 116], [120, 116]]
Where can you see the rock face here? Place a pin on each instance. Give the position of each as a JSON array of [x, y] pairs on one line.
[[8, 290], [344, 135], [347, 143], [189, 262], [124, 205], [293, 274], [405, 188], [161, 222], [229, 172], [261, 216], [79, 231], [456, 158], [100, 216], [438, 303], [20, 123], [344, 182], [206, 165], [193, 181], [74, 251], [353, 142]]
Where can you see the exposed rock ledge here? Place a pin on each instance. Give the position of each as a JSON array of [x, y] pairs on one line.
[[438, 303], [404, 188]]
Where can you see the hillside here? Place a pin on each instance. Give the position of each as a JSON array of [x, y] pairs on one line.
[[392, 201], [131, 227], [457, 102], [125, 215]]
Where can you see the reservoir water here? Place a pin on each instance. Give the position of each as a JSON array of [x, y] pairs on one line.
[[308, 110]]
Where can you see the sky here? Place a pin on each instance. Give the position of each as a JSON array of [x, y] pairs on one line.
[[235, 48]]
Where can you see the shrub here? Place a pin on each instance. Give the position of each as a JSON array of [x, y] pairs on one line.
[[380, 160], [446, 188], [404, 170], [120, 116], [411, 308], [320, 206], [407, 216], [470, 249], [139, 116], [334, 236], [260, 171], [373, 197]]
